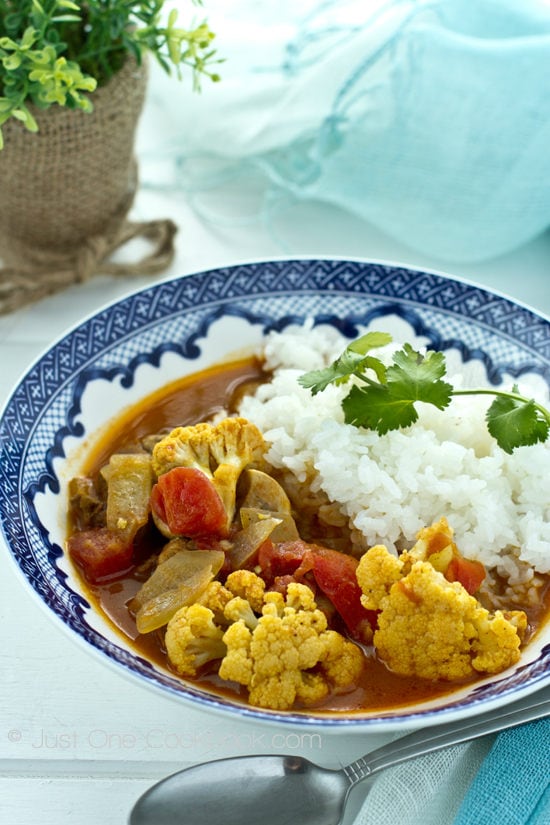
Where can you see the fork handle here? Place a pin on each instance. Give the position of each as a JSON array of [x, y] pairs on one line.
[[534, 706]]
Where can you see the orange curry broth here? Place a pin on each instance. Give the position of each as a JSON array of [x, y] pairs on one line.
[[196, 398]]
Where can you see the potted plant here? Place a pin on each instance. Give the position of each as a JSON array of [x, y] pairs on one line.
[[72, 85]]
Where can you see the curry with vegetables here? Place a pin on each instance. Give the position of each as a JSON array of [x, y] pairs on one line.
[[199, 553]]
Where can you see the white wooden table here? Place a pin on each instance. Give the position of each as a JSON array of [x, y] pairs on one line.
[[78, 741]]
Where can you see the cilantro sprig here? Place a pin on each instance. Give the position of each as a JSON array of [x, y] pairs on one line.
[[384, 397]]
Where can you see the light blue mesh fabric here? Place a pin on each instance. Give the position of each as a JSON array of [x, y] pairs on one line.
[[428, 118]]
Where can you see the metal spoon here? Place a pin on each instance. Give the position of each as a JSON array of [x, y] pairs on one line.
[[280, 790]]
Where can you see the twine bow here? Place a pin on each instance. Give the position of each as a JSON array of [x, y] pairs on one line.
[[22, 286]]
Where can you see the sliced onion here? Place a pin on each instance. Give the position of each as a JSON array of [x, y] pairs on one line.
[[159, 610], [129, 480], [286, 530], [176, 582], [249, 540]]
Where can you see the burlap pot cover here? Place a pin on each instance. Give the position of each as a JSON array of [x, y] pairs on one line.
[[65, 193]]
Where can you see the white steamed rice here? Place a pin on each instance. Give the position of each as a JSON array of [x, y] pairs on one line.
[[391, 486]]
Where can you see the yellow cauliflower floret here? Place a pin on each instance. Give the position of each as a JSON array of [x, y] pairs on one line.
[[192, 639], [237, 666], [276, 674], [300, 597], [288, 655], [247, 584], [430, 627], [239, 609], [274, 604], [307, 633], [342, 661], [426, 626], [215, 597], [279, 648], [434, 540], [498, 640], [312, 688], [221, 451], [376, 572]]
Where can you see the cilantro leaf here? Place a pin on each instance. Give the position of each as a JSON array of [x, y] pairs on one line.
[[388, 402], [389, 406], [515, 422], [338, 371], [416, 377], [370, 340], [377, 408], [319, 380], [353, 361]]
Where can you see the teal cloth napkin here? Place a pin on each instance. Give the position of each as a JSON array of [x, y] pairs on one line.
[[439, 134], [512, 787], [430, 119]]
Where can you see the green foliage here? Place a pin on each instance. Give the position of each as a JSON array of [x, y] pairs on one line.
[[59, 51], [385, 397]]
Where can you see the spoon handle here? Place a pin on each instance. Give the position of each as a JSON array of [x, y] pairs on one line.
[[426, 740]]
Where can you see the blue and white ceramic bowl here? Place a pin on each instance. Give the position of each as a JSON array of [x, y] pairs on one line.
[[136, 345]]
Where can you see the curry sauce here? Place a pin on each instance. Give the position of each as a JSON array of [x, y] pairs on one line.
[[194, 399]]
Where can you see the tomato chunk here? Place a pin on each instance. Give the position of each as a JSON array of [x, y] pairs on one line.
[[468, 572], [281, 559], [335, 574], [101, 553], [188, 503]]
